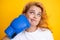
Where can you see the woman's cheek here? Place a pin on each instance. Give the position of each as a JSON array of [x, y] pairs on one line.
[[29, 19], [39, 19]]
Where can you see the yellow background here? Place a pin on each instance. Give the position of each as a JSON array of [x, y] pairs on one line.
[[10, 9]]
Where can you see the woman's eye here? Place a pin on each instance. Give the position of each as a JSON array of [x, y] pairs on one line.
[[32, 12], [38, 14]]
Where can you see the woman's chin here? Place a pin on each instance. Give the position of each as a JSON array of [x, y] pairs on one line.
[[33, 24]]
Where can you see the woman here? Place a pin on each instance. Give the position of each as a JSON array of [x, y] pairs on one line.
[[37, 17]]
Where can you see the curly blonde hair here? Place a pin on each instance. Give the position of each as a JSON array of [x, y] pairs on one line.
[[43, 23]]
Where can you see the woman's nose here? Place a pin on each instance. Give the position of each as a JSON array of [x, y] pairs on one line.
[[35, 17]]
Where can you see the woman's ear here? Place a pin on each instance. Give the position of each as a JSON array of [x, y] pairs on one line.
[[5, 38]]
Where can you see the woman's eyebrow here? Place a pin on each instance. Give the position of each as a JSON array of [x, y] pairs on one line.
[[32, 10]]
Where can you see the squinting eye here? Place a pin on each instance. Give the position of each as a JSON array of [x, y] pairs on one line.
[[39, 15]]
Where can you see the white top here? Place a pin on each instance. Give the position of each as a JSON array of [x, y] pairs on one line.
[[36, 35]]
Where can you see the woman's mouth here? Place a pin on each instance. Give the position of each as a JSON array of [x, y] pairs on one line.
[[33, 20]]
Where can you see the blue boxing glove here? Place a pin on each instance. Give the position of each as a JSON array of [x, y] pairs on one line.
[[18, 25]]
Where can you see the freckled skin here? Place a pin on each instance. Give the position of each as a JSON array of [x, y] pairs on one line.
[[34, 15]]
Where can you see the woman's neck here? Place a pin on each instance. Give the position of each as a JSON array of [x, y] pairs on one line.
[[32, 29]]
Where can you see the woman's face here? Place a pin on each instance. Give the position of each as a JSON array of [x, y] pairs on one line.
[[34, 15]]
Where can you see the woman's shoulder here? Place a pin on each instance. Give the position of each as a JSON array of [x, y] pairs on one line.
[[45, 30], [46, 33]]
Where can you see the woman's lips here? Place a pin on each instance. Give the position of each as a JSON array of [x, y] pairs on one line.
[[33, 20]]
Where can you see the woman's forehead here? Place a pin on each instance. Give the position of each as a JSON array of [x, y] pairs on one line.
[[35, 8]]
